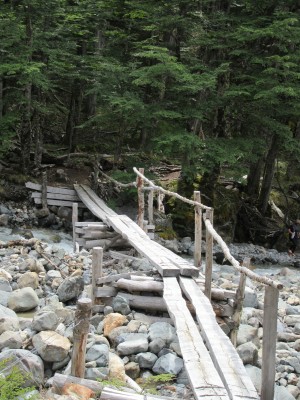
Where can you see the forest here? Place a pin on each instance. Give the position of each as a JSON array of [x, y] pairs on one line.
[[212, 85]]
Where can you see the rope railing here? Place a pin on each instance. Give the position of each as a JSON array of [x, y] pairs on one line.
[[117, 183], [169, 193], [271, 287]]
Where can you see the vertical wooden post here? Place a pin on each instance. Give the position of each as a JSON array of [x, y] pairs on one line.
[[74, 220], [239, 298], [160, 205], [80, 332], [141, 199], [44, 190], [150, 207], [97, 259], [208, 256], [198, 231], [269, 343]]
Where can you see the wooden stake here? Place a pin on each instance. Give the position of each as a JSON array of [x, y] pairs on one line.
[[239, 299], [208, 256], [141, 200], [44, 190], [80, 332], [74, 221], [198, 231], [97, 260], [269, 343], [150, 207]]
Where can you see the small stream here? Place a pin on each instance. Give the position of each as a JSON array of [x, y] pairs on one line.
[[55, 238], [64, 240]]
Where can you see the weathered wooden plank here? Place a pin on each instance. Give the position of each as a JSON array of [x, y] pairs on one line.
[[144, 246], [64, 203], [57, 196], [96, 199], [90, 204], [204, 379], [225, 358], [50, 189]]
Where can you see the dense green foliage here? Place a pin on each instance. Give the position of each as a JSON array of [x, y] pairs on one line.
[[210, 84]]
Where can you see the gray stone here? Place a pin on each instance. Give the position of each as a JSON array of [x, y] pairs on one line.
[[162, 330], [9, 324], [133, 346], [98, 353], [4, 296], [250, 299], [120, 305], [168, 364], [96, 373], [10, 340], [248, 353], [45, 321], [70, 288], [132, 369], [156, 345], [4, 219], [5, 285], [146, 360], [246, 333], [30, 364], [282, 393], [7, 312], [51, 346], [23, 300]]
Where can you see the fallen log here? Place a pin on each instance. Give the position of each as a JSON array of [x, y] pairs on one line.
[[139, 286]]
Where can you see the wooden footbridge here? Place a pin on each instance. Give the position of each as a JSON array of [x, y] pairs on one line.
[[212, 363]]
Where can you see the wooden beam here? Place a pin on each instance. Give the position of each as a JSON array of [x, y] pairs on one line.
[[224, 356], [50, 189], [269, 343], [198, 231], [204, 379]]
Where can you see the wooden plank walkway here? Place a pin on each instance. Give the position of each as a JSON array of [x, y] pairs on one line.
[[213, 366]]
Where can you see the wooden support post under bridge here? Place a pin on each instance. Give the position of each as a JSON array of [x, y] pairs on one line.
[[81, 330]]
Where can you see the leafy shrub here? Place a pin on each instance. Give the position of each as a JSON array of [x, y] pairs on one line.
[[11, 385]]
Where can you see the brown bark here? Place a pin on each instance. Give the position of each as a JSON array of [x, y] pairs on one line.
[[268, 174]]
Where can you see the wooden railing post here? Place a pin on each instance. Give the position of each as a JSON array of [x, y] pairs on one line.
[[74, 220], [239, 299], [269, 343], [141, 199], [80, 332], [150, 207], [208, 256], [44, 190], [97, 260], [198, 231]]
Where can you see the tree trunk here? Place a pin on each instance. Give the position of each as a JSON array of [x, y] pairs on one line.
[[74, 116], [253, 179], [25, 128], [268, 175]]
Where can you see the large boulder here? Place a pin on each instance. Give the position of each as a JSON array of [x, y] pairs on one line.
[[70, 288], [24, 299], [51, 346]]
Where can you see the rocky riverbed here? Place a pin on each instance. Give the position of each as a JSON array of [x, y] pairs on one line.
[[41, 283]]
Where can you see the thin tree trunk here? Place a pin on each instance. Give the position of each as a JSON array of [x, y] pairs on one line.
[[25, 129], [268, 175]]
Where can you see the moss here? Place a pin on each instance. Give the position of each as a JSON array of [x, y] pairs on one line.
[[166, 233]]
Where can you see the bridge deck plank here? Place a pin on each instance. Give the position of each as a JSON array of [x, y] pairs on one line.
[[204, 379], [226, 360]]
